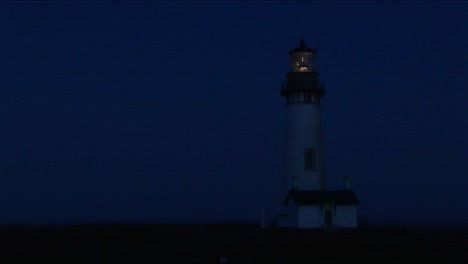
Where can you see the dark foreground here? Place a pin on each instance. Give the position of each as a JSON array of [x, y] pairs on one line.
[[239, 243]]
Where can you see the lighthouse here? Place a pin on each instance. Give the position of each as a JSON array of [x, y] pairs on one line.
[[308, 203], [304, 159]]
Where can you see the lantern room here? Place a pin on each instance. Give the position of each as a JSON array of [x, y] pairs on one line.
[[302, 58]]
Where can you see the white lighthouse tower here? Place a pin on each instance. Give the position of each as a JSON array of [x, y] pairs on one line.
[[307, 202], [304, 160]]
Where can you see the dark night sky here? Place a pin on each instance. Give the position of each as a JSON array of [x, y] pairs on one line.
[[142, 111]]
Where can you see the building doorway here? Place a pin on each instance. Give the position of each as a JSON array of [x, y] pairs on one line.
[[328, 218]]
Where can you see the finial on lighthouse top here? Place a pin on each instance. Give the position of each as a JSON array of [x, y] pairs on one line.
[[302, 58], [302, 48]]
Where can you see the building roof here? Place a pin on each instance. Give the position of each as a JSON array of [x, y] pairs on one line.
[[302, 48], [343, 197]]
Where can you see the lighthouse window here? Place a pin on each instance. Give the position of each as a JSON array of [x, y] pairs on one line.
[[309, 159]]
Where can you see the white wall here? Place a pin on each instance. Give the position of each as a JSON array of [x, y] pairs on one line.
[[346, 216], [303, 130], [309, 216]]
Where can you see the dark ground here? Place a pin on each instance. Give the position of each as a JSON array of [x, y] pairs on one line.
[[240, 243]]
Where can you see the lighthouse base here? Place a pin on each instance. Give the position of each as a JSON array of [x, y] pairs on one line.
[[319, 209]]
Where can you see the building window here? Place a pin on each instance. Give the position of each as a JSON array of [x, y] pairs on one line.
[[309, 159]]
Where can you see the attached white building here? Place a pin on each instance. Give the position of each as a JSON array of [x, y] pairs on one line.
[[321, 209], [308, 203]]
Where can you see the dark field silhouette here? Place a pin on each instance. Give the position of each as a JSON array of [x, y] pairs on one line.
[[238, 243]]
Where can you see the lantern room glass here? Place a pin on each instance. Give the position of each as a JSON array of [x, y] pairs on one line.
[[302, 62]]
